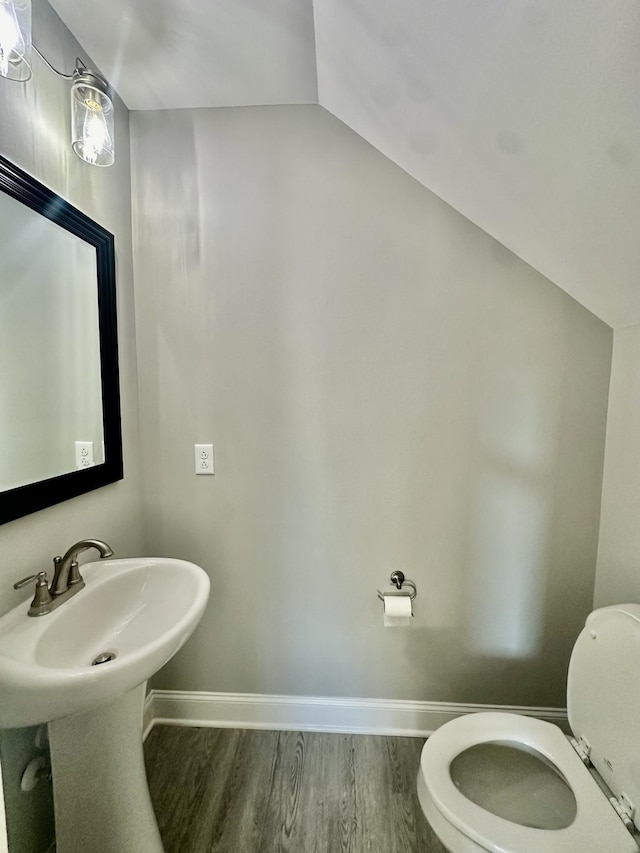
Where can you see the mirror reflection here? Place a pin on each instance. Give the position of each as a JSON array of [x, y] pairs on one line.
[[50, 389]]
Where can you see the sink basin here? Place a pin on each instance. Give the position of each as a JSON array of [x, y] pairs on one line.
[[139, 611]]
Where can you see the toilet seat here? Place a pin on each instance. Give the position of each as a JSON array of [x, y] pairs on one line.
[[596, 827]]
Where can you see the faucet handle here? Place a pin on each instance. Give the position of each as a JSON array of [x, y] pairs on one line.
[[40, 578], [74, 574], [41, 603]]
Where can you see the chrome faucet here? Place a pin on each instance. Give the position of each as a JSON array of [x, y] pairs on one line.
[[67, 580], [66, 573]]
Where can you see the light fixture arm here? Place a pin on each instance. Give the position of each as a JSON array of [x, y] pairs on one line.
[[81, 70], [79, 64]]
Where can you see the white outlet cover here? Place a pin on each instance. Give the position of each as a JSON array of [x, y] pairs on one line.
[[84, 455], [203, 458]]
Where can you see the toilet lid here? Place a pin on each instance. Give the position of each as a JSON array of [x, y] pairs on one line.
[[603, 697]]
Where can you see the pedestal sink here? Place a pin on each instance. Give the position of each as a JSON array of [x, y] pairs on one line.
[[134, 615]]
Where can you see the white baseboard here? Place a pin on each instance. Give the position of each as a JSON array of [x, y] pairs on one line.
[[148, 720], [317, 714]]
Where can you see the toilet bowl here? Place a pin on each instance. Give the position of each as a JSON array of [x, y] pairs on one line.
[[475, 807]]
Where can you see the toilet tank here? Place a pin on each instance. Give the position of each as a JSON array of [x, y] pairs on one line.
[[603, 697]]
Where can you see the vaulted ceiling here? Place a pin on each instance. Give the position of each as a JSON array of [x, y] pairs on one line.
[[524, 115]]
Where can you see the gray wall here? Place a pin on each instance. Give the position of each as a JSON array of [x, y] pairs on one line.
[[618, 573], [34, 134], [386, 387]]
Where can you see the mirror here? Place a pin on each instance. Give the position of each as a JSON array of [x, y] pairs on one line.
[[60, 433]]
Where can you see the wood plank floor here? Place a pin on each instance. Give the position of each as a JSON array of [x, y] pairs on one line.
[[239, 791]]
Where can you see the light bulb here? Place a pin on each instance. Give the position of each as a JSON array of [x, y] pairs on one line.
[[94, 134], [15, 39], [9, 40]]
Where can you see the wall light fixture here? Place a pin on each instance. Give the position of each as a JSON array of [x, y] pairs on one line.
[[92, 113], [15, 39]]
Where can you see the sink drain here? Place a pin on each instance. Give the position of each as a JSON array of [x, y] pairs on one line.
[[105, 657]]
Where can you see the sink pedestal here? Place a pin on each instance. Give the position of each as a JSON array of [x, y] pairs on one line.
[[101, 796]]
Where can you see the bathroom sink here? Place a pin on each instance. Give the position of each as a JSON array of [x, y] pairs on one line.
[[134, 614]]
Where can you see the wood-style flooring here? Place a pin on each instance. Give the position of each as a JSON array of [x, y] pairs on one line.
[[239, 791]]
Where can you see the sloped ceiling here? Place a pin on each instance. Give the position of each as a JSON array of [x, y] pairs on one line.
[[524, 115]]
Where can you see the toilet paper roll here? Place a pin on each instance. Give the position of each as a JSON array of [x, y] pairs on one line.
[[397, 611]]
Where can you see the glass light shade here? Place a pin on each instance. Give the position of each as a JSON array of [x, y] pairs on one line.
[[15, 39], [92, 125]]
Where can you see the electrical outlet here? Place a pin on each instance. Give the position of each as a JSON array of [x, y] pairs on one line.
[[84, 454], [204, 458]]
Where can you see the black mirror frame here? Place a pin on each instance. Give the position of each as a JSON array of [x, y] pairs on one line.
[[23, 500]]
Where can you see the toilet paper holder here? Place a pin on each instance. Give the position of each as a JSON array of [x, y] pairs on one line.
[[399, 581]]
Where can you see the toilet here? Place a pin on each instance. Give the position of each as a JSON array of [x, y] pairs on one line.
[[507, 783]]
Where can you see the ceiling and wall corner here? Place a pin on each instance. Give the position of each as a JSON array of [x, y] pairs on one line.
[[172, 54], [523, 115]]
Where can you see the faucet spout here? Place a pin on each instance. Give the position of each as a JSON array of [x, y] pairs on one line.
[[65, 565]]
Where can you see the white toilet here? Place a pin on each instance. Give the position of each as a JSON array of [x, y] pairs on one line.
[[603, 703]]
